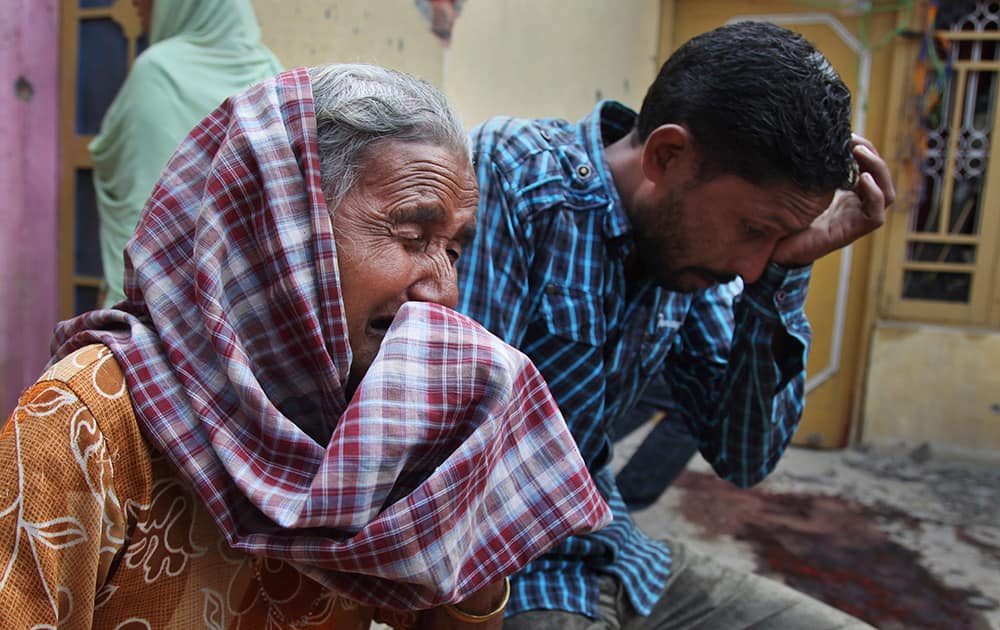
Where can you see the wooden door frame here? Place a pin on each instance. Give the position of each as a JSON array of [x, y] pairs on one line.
[[74, 152]]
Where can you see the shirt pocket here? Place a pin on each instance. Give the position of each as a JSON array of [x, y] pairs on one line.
[[574, 314]]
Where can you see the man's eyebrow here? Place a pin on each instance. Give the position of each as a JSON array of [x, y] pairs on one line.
[[784, 225]]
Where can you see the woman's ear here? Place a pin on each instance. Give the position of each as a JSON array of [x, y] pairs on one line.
[[667, 152]]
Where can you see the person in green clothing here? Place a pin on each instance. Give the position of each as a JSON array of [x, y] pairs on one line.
[[200, 53]]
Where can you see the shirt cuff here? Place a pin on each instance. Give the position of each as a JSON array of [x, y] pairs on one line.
[[780, 293]]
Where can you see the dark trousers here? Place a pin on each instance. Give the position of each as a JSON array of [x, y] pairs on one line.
[[664, 452], [701, 594]]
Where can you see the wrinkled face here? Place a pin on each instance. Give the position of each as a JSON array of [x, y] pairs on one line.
[[398, 232], [145, 10], [701, 233]]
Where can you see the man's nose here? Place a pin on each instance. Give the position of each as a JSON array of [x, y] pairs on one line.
[[750, 263]]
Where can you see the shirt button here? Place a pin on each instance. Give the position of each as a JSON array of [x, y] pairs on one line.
[[583, 170], [551, 289], [780, 296]]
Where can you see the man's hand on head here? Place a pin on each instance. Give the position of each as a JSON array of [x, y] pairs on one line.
[[851, 214]]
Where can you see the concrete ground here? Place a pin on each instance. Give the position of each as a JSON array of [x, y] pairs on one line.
[[900, 538]]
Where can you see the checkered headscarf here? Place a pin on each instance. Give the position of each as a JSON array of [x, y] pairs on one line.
[[451, 465]]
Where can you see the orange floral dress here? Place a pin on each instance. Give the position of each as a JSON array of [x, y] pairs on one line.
[[96, 529]]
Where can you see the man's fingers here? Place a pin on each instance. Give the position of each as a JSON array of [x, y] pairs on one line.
[[873, 201], [857, 140], [869, 161]]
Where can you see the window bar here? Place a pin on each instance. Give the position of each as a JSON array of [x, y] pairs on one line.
[[951, 158]]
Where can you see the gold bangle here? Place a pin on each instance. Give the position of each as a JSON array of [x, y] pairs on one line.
[[457, 613]]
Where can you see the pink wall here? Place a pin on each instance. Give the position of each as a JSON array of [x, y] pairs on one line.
[[29, 167]]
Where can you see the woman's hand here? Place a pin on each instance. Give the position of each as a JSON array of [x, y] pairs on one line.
[[491, 599]]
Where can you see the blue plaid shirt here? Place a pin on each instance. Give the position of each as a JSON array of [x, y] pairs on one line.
[[546, 272]]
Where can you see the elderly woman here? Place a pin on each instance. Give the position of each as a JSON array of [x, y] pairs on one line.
[[284, 424]]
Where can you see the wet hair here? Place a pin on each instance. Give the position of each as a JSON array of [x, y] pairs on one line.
[[360, 107], [761, 103]]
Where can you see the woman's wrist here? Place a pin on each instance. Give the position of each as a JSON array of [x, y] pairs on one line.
[[483, 605]]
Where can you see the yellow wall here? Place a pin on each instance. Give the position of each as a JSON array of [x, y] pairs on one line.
[[530, 58], [390, 33], [934, 384], [516, 57]]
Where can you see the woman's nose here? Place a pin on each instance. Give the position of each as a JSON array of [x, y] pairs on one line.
[[438, 284], [438, 292]]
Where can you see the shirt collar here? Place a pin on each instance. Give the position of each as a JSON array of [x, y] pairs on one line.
[[609, 121]]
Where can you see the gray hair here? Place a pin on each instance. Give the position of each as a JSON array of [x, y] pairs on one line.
[[359, 106]]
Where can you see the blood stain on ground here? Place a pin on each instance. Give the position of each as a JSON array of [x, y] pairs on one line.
[[832, 549]]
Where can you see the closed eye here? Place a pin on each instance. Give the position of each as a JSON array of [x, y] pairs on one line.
[[413, 241], [754, 231]]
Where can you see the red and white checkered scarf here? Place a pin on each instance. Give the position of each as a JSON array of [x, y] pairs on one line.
[[450, 467]]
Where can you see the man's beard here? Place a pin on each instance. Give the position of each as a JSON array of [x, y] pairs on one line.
[[659, 254]]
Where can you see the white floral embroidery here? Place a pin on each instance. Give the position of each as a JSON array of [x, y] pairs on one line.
[[58, 533], [55, 398], [106, 356], [91, 453], [213, 610], [104, 595], [163, 545], [65, 605]]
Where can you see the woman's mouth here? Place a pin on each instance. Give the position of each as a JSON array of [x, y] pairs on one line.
[[379, 326]]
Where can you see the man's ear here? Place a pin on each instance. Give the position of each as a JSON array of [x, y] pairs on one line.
[[667, 152]]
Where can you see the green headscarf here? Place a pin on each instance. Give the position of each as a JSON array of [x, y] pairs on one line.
[[200, 53]]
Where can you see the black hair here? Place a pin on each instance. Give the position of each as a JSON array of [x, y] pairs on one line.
[[761, 103]]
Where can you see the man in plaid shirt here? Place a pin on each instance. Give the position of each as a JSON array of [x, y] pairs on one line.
[[605, 252]]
